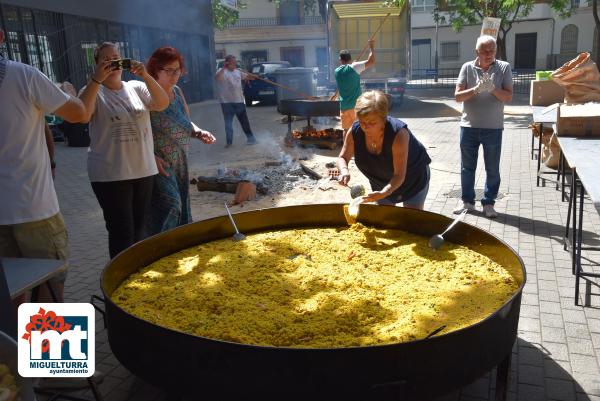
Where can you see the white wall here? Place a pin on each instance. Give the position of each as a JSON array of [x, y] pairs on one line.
[[259, 9], [273, 48], [541, 20]]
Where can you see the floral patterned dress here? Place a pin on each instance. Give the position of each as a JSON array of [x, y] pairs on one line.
[[172, 130]]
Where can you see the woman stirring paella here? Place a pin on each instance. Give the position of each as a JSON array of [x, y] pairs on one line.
[[387, 153]]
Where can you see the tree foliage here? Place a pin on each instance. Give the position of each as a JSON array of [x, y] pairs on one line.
[[223, 16], [460, 13]]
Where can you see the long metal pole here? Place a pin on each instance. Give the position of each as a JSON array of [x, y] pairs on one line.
[[436, 49]]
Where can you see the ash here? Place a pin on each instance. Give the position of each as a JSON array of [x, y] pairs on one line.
[[280, 175]]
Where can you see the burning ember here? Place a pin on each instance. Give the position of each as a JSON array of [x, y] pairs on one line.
[[329, 138]]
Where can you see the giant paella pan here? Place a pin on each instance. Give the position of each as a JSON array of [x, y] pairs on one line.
[[214, 369]]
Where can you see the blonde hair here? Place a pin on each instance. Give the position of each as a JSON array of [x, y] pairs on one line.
[[372, 102], [101, 46]]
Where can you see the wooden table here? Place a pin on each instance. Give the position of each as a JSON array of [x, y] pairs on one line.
[[541, 118], [582, 154]]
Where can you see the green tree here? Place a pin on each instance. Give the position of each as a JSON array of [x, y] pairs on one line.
[[459, 13], [223, 16]]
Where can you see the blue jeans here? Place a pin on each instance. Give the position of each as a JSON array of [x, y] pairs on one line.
[[491, 140], [238, 110]]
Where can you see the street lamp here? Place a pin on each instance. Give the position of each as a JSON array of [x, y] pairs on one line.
[[435, 12]]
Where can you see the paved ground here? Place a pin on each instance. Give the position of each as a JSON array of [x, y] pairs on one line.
[[557, 355]]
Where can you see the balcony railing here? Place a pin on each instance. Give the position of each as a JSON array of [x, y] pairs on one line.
[[274, 21]]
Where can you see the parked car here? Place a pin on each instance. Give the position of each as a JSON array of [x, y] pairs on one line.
[[260, 90]]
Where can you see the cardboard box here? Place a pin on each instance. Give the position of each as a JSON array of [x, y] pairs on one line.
[[578, 120], [545, 93]]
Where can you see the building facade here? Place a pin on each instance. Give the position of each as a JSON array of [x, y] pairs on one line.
[[541, 41], [266, 31], [58, 37]]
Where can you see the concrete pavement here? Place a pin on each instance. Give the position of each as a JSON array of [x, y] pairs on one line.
[[557, 355]]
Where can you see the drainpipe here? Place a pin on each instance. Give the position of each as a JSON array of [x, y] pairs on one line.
[[551, 40]]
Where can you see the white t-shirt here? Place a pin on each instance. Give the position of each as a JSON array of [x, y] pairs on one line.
[[26, 188], [359, 66], [121, 146], [230, 86]]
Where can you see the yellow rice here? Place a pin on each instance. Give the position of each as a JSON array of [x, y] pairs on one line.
[[321, 287]]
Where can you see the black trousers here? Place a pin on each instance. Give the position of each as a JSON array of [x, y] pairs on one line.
[[126, 208]]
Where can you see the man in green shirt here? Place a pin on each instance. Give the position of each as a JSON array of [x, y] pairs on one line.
[[347, 77]]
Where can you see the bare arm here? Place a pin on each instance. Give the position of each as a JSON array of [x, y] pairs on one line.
[[371, 59], [72, 111], [89, 93], [160, 99], [461, 94], [344, 158], [400, 158], [503, 94], [50, 146], [220, 73]]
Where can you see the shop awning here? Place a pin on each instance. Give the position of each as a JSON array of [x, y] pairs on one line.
[[366, 10]]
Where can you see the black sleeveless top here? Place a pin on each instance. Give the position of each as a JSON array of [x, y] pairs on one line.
[[379, 168]]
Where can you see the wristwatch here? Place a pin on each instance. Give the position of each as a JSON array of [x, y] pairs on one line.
[[52, 164]]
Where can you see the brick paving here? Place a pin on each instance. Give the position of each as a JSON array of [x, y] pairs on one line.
[[557, 354]]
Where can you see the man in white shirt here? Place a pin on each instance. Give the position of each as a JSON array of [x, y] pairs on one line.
[[31, 225], [229, 89]]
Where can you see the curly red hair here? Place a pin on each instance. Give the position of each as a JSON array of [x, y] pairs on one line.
[[161, 57]]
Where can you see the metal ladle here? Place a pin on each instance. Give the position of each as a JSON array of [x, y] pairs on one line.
[[438, 240], [357, 190], [238, 236]]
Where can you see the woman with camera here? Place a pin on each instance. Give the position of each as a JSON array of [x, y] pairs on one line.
[[121, 163], [172, 129]]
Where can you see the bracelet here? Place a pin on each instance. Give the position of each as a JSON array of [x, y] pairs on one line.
[[52, 164], [96, 81]]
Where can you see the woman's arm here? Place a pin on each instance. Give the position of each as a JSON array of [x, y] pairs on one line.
[[159, 98], [89, 93], [400, 158], [197, 132], [345, 155]]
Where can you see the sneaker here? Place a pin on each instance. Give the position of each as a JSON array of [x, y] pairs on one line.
[[488, 211], [251, 141], [228, 145], [469, 207]]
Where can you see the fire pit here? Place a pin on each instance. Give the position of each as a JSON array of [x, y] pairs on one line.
[[329, 138]]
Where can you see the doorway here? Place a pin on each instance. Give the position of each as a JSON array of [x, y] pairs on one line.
[[421, 57], [525, 51], [294, 55]]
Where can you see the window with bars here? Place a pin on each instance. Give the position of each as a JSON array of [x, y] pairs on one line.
[[450, 51], [422, 5], [568, 39]]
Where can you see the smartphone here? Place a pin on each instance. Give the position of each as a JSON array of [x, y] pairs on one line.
[[121, 64]]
